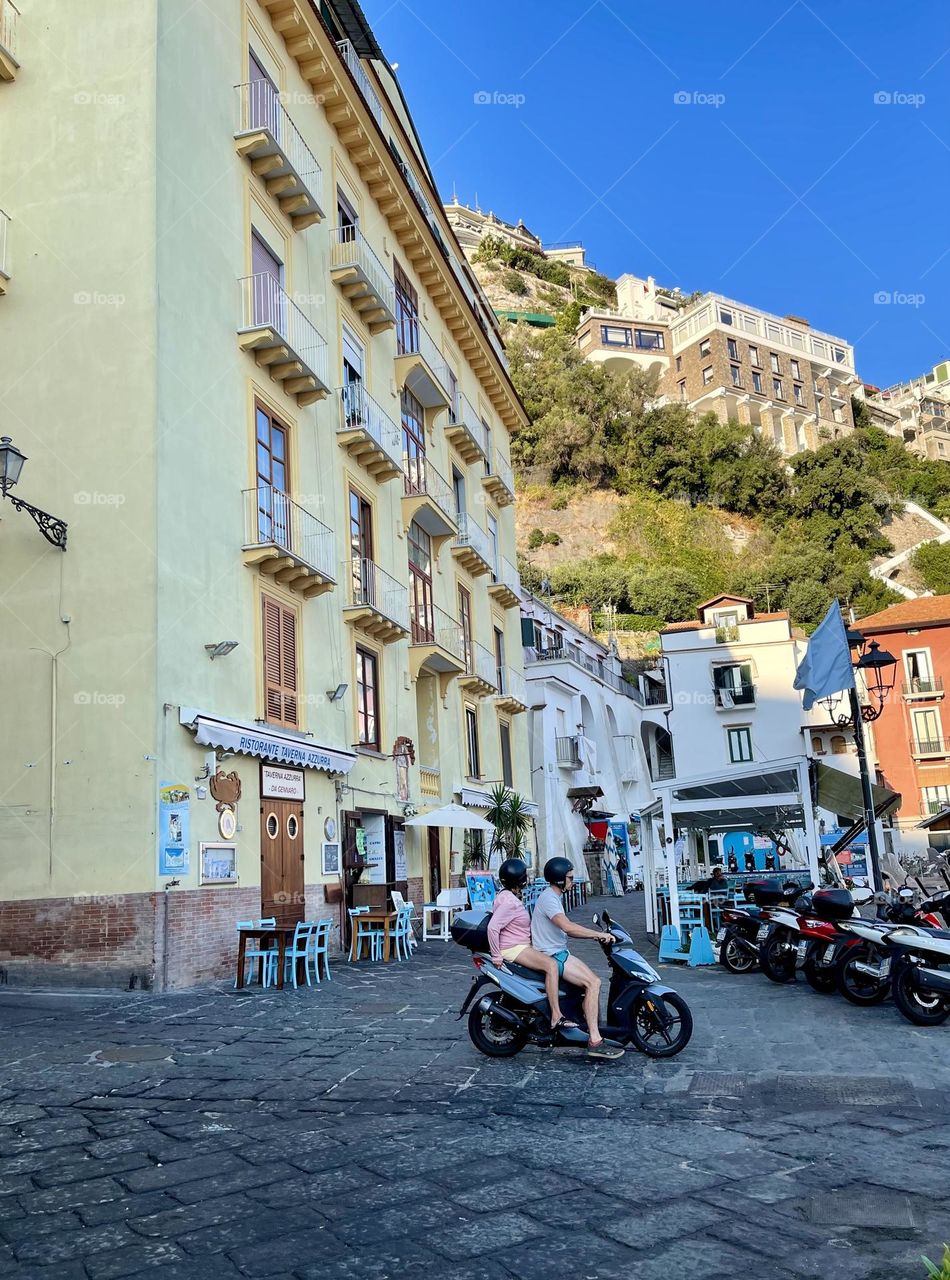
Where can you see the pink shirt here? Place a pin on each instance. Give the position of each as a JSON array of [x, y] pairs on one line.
[[509, 926]]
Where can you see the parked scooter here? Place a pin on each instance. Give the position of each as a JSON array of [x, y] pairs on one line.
[[862, 967], [920, 982], [807, 934], [508, 1008], [738, 934]]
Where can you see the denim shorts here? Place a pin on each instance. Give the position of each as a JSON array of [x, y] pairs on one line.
[[561, 957]]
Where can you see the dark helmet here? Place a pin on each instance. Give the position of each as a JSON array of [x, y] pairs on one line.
[[513, 874], [556, 871]]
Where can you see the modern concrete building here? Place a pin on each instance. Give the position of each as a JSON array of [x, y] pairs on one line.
[[917, 411], [587, 759], [471, 225], [249, 365]]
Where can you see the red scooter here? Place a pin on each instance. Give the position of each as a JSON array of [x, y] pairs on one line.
[[808, 935]]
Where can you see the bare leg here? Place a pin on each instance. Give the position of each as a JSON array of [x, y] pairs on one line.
[[532, 959], [577, 972]]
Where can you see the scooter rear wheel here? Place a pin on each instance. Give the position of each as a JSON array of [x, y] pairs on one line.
[[777, 963], [735, 957], [920, 1007], [820, 977], [859, 988], [493, 1037], [650, 1036]]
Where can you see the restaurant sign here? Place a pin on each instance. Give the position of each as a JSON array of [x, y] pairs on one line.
[[266, 744], [281, 784]]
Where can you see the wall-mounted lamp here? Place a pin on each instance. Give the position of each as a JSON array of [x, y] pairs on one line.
[[11, 464], [221, 649], [334, 695]]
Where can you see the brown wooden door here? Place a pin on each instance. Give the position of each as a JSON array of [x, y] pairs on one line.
[[282, 854], [435, 864]]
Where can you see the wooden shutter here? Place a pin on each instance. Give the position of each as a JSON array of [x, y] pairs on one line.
[[280, 663]]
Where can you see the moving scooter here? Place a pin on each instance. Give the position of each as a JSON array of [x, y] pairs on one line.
[[508, 1009]]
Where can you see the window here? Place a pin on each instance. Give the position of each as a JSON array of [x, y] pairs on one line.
[[504, 737], [838, 353], [279, 629], [777, 389], [492, 523], [936, 798], [679, 364], [453, 395], [740, 745], [614, 335], [796, 372], [756, 381], [472, 756], [407, 312], [774, 362], [927, 732], [649, 340], [917, 667], [726, 316], [704, 347], [754, 354], [839, 746], [263, 100], [733, 348], [267, 299], [799, 393], [817, 746], [736, 373], [682, 389], [707, 375], [420, 585], [413, 443], [273, 480], [732, 684], [347, 217], [458, 490], [367, 699], [361, 550], [499, 660], [353, 402], [465, 619], [488, 447]]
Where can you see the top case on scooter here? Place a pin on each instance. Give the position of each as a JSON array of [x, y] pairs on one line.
[[470, 929], [832, 904]]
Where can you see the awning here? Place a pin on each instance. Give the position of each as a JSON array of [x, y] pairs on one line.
[[840, 792], [476, 798], [936, 821], [265, 743], [584, 793], [760, 797]]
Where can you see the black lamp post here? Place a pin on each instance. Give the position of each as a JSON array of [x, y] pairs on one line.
[[880, 670], [11, 464]]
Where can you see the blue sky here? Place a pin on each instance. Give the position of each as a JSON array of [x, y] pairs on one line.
[[783, 179]]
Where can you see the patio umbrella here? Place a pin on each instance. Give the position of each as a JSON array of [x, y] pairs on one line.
[[451, 815]]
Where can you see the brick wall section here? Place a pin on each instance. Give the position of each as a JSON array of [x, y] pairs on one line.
[[100, 940], [202, 938]]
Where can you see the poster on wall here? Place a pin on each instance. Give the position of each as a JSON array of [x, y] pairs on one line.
[[218, 862], [174, 857], [399, 852], [374, 833]]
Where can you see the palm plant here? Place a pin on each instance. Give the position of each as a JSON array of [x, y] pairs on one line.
[[508, 814]]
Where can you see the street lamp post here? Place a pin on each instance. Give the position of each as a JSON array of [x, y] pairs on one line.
[[879, 670], [11, 464]]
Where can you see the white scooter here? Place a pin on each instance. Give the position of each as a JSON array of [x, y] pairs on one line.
[[920, 982]]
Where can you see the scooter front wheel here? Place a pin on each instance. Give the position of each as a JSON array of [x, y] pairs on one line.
[[921, 1007], [661, 1033], [493, 1036], [735, 957], [858, 987], [820, 977]]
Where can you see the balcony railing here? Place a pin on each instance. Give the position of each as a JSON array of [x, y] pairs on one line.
[[260, 108], [466, 430], [429, 781], [272, 518], [480, 663], [922, 746], [349, 249], [498, 470], [655, 694], [360, 412], [9, 17], [369, 586], [511, 684], [432, 625], [568, 752], [728, 696], [264, 304], [922, 687], [472, 535], [505, 586], [414, 339], [4, 242], [358, 72], [421, 479]]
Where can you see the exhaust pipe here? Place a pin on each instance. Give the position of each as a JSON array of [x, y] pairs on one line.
[[937, 980], [488, 1004], [870, 970]]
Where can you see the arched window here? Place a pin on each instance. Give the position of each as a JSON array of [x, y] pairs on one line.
[[838, 745], [817, 746]]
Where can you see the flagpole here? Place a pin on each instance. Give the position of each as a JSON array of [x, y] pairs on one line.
[[869, 815]]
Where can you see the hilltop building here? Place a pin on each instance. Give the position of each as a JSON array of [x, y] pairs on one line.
[[917, 411]]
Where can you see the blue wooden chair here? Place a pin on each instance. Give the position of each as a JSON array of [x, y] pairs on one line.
[[691, 914], [400, 934], [320, 948], [365, 931], [298, 950], [253, 949]]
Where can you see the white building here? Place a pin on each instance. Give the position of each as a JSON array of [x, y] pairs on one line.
[[584, 726], [917, 411]]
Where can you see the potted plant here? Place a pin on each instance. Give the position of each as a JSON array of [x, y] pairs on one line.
[[509, 815]]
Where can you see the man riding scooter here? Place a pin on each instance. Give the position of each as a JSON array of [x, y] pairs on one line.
[[550, 930]]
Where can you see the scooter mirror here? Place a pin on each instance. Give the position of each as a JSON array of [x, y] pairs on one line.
[[862, 897], [905, 895]]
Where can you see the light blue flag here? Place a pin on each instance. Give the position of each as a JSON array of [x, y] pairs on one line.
[[826, 667]]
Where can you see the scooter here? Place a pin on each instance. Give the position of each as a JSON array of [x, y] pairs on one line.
[[508, 1009], [807, 934], [920, 984], [738, 933], [861, 974]]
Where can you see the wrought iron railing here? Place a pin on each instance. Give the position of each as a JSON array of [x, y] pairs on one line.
[[422, 478], [370, 586], [512, 684], [923, 746], [464, 412], [358, 72], [359, 411], [432, 625], [742, 695], [918, 687], [480, 662], [272, 518], [9, 17], [568, 752], [349, 248], [265, 304], [472, 535], [499, 466], [260, 107], [507, 575], [413, 338]]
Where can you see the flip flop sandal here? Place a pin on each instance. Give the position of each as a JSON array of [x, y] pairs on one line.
[[564, 1024]]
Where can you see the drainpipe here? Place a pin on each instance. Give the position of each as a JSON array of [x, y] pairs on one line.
[[53, 730], [169, 884]]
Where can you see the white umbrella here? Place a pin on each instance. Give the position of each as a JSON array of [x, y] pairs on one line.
[[451, 815]]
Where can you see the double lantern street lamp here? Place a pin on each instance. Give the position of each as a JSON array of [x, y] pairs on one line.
[[879, 669], [11, 464]]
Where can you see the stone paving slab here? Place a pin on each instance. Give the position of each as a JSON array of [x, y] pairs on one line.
[[352, 1131]]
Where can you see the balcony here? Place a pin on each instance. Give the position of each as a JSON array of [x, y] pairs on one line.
[[568, 752], [505, 587], [9, 16], [274, 147], [471, 547], [357, 71], [420, 366], [4, 251], [368, 434], [929, 748], [481, 673], [436, 645], [428, 499], [922, 687], [498, 480], [466, 431], [376, 603], [512, 696], [430, 782], [734, 696], [282, 339], [362, 279], [282, 539], [655, 693]]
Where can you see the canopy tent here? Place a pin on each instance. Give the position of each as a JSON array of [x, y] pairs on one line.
[[840, 792], [451, 815]]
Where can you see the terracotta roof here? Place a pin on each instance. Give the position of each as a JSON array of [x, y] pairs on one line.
[[925, 611], [725, 596], [696, 625]]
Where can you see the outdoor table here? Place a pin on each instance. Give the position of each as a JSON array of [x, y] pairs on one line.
[[281, 933], [379, 916]]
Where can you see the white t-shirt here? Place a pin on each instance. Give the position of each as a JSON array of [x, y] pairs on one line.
[[546, 936]]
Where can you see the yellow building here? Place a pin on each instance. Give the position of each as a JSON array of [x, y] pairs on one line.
[[244, 356]]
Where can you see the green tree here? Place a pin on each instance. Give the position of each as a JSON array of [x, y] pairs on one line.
[[932, 562], [833, 494]]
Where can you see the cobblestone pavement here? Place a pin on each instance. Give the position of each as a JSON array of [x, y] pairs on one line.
[[353, 1131]]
